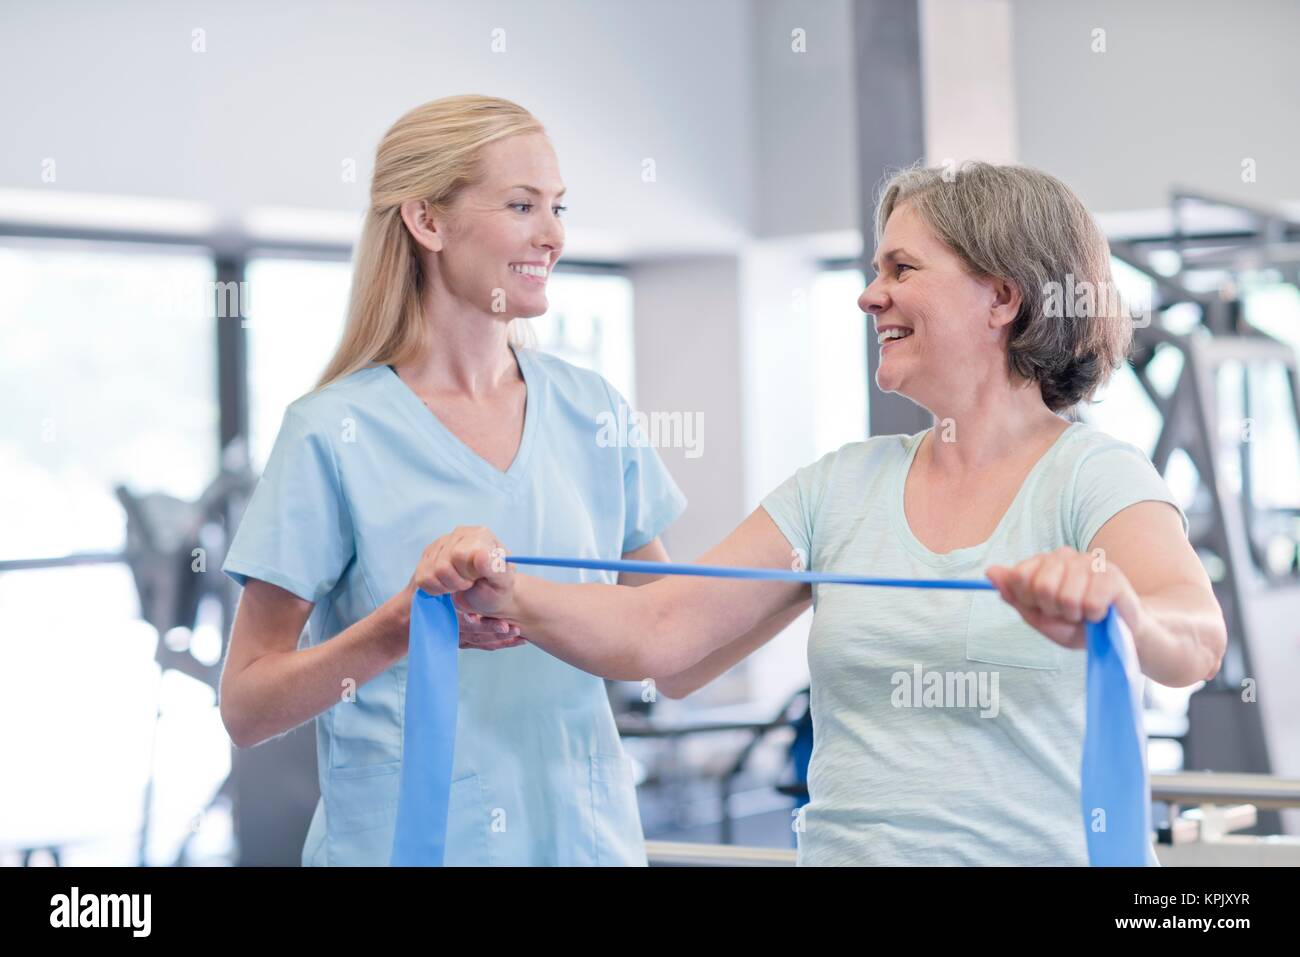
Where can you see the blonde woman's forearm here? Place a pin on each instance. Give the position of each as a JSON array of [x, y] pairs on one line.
[[269, 686]]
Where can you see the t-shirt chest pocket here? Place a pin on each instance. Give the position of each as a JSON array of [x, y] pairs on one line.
[[997, 635]]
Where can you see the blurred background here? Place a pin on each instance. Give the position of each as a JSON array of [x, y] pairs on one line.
[[179, 194]]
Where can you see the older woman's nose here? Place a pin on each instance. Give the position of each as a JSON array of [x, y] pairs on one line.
[[874, 298]]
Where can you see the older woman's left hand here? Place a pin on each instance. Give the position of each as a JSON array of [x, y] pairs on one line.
[[1058, 593]]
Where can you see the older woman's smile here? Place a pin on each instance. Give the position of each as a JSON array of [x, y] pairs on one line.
[[887, 335]]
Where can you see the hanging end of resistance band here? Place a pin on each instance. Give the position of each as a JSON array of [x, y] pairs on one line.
[[1115, 788], [428, 733]]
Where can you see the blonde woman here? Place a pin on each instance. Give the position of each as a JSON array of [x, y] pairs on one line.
[[430, 414], [962, 306]]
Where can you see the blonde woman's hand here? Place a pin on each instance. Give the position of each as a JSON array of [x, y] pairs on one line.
[[485, 633]]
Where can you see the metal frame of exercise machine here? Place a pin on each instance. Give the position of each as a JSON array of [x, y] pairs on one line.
[[1228, 729]]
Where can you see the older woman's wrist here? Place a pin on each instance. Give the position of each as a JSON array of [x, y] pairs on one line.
[[521, 605], [1149, 634]]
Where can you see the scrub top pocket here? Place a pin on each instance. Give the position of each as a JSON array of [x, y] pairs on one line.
[[468, 821], [361, 809], [615, 814]]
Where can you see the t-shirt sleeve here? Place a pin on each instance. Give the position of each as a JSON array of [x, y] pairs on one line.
[[796, 502], [1107, 480], [296, 531], [652, 500]]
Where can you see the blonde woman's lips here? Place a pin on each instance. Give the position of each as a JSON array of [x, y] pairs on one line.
[[537, 272]]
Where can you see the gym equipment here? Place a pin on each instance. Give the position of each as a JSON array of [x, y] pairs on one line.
[[174, 549], [1245, 719]]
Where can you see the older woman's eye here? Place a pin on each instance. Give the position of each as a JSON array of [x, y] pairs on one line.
[[522, 207], [901, 266], [560, 209]]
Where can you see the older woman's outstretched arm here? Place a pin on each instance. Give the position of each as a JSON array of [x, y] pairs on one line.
[[616, 631]]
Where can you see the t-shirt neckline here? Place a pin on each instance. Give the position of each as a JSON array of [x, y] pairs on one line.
[[970, 554]]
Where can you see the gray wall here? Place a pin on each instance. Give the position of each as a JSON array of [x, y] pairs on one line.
[[748, 137], [805, 156], [1185, 90], [286, 92]]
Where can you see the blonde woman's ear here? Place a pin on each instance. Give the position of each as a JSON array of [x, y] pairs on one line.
[[418, 218]]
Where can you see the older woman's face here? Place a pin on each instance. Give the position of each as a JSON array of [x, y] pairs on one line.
[[924, 290], [505, 232]]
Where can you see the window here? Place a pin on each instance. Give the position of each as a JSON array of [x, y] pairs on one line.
[[294, 321], [839, 354], [109, 369], [589, 323], [1273, 306]]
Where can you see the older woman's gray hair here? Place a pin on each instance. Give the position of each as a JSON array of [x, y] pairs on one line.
[[1021, 225]]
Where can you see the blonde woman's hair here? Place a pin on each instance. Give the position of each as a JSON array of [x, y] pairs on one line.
[[1029, 228], [431, 153]]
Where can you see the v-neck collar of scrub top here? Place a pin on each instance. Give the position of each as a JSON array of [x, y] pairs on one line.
[[427, 422]]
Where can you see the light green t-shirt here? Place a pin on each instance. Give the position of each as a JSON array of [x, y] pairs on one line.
[[945, 729]]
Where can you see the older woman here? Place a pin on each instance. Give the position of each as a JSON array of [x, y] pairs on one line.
[[1064, 519]]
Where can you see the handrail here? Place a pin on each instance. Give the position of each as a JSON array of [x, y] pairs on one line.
[[684, 854], [1185, 787], [1213, 787]]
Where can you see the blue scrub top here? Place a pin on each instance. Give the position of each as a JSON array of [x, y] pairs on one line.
[[362, 478]]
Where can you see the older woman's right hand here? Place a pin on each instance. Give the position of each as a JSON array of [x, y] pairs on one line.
[[469, 564]]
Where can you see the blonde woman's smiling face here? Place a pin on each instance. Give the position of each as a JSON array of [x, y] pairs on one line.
[[504, 234]]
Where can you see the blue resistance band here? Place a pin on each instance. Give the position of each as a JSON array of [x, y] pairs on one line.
[[1114, 793]]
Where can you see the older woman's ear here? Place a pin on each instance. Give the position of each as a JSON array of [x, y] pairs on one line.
[[1005, 301]]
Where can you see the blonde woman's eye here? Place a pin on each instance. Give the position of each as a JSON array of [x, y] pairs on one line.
[[901, 266], [522, 207], [560, 209]]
